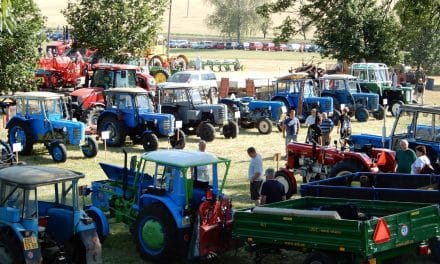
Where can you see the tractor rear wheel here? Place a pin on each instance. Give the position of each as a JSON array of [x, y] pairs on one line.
[[264, 126], [361, 114], [395, 107], [230, 130], [206, 131], [289, 186], [150, 142], [155, 234], [10, 248], [90, 148], [20, 132], [318, 257], [345, 167], [380, 113], [90, 116], [161, 76], [116, 129], [58, 151]]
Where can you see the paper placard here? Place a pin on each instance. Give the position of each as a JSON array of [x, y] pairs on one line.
[[342, 106], [179, 124], [385, 101], [17, 147], [237, 114], [277, 157], [105, 135]]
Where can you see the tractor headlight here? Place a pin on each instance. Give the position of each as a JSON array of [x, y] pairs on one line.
[[64, 130]]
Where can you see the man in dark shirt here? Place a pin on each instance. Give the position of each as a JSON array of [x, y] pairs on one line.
[[272, 190], [314, 132]]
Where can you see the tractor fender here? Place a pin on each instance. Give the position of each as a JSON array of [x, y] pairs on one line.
[[93, 249], [97, 104], [360, 157], [105, 230], [32, 256], [175, 210], [104, 115], [283, 99], [15, 119]]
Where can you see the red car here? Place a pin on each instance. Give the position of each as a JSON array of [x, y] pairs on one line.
[[281, 47], [269, 46], [220, 45], [255, 46]]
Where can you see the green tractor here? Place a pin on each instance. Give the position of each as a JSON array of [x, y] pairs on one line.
[[375, 78]]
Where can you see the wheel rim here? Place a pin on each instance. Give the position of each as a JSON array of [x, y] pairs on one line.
[[344, 172], [57, 153], [152, 235], [5, 257], [18, 136], [264, 127], [111, 128], [160, 77], [395, 108]]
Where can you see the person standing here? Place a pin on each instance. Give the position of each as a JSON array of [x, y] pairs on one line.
[[291, 128], [344, 127], [326, 129], [201, 175], [255, 173], [419, 91], [405, 157], [421, 162], [310, 120], [272, 190], [314, 132]]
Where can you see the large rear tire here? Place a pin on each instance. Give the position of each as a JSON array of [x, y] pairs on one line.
[[289, 186], [116, 129], [10, 248], [90, 117], [345, 167], [20, 132], [155, 234]]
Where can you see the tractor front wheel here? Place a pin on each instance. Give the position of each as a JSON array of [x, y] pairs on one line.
[[116, 129], [150, 142], [264, 126], [345, 167], [20, 132], [287, 182], [230, 130], [380, 113], [155, 234], [10, 248], [90, 148], [58, 152], [361, 114], [395, 107], [181, 141], [206, 131]]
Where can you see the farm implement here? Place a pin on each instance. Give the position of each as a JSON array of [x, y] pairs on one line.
[[217, 65]]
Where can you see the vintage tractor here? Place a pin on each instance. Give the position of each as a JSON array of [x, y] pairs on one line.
[[375, 78], [39, 117], [41, 220], [173, 214], [197, 117], [417, 124], [85, 102], [130, 111], [344, 89], [315, 162], [256, 113], [298, 92], [161, 67]]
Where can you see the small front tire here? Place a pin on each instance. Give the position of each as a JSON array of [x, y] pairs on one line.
[[206, 131], [264, 126], [90, 148], [150, 142], [58, 152], [230, 130]]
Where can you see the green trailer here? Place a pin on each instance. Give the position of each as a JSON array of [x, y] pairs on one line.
[[334, 230]]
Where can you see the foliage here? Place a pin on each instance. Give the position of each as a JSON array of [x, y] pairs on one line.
[[235, 18], [7, 21], [420, 35], [115, 26], [265, 26], [18, 54], [352, 30]]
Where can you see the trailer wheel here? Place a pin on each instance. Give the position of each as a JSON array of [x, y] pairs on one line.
[[230, 130], [155, 234], [206, 131], [289, 186], [380, 113], [58, 152], [361, 114], [90, 148], [345, 167], [319, 258], [150, 142], [10, 248], [20, 132], [264, 126]]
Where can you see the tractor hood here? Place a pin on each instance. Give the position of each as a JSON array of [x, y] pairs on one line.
[[258, 104], [218, 112], [73, 131], [371, 100], [164, 122], [85, 92]]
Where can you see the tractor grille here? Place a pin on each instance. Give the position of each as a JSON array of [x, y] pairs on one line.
[[373, 102], [167, 126], [222, 114], [77, 133]]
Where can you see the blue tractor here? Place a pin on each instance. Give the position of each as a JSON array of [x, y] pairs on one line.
[[345, 90], [415, 123], [41, 117], [41, 221], [173, 202], [130, 112], [256, 113], [298, 92]]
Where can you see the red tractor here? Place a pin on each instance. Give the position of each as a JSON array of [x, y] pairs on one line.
[[315, 162], [88, 102]]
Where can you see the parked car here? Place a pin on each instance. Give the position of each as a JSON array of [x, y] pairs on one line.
[[220, 45], [206, 44], [231, 45], [293, 47], [281, 47], [269, 46], [182, 43], [203, 80], [173, 43], [243, 46], [255, 46]]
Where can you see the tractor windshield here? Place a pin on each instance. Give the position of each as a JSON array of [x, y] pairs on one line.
[[23, 199], [352, 86], [62, 194], [143, 101], [180, 77], [195, 96], [114, 78], [53, 109], [404, 125]]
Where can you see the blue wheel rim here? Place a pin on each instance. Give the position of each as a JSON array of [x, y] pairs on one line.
[[57, 153], [112, 131]]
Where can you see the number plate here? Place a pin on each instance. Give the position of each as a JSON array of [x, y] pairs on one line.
[[30, 243]]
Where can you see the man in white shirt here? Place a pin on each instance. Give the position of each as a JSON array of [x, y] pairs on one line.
[[255, 174], [201, 175], [310, 120]]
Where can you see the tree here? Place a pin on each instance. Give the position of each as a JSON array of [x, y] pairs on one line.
[[352, 30], [18, 55], [7, 21], [115, 26], [420, 35], [235, 18], [266, 22]]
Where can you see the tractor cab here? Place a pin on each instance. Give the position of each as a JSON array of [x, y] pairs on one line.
[[39, 211]]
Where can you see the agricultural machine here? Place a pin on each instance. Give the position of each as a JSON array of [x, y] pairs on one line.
[[375, 78], [39, 118], [315, 162], [218, 65], [297, 91], [171, 214], [256, 113], [417, 124], [130, 111], [197, 117], [48, 228], [344, 89], [86, 102], [161, 68]]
